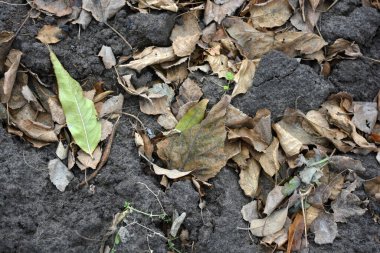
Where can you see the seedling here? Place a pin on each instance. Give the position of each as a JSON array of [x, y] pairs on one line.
[[230, 78], [162, 216]]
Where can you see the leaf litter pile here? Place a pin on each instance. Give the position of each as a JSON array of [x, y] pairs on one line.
[[302, 154]]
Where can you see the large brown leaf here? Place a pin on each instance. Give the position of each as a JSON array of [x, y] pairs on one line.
[[201, 148]]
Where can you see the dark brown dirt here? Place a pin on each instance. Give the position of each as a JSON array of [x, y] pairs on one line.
[[36, 217]]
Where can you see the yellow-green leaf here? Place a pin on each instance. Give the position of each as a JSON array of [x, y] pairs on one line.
[[193, 116], [79, 111]]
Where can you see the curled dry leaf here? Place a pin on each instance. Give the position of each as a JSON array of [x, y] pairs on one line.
[[58, 8], [269, 225], [290, 144], [275, 197], [150, 56], [250, 136], [201, 148], [6, 39], [365, 116], [102, 10], [216, 12], [167, 121], [372, 187], [218, 64], [249, 211], [346, 205], [249, 177], [188, 92], [12, 63], [50, 34], [168, 5], [59, 174], [349, 49], [244, 77], [325, 228], [89, 161], [158, 99], [62, 151], [172, 174], [269, 160], [56, 111], [37, 130], [84, 19], [112, 105], [270, 14], [108, 57], [17, 99]]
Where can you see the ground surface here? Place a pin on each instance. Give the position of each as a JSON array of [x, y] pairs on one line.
[[35, 217]]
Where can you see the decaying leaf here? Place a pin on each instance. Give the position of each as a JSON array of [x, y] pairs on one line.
[[218, 64], [372, 187], [62, 151], [269, 160], [168, 5], [50, 34], [108, 57], [296, 230], [112, 105], [290, 144], [79, 111], [188, 92], [311, 214], [59, 174], [249, 177], [167, 121], [59, 8], [56, 111], [89, 161], [365, 115], [84, 19], [102, 10], [216, 12], [349, 49], [150, 56], [275, 197], [249, 211], [270, 14], [193, 116], [158, 99], [13, 62], [341, 163], [325, 228], [346, 205], [269, 225], [6, 39], [37, 131], [172, 174], [201, 148], [244, 77]]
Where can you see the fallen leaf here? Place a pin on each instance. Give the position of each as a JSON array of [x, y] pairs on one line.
[[17, 99], [150, 56], [167, 121], [305, 18], [13, 60], [89, 161], [296, 230], [346, 205], [372, 187], [269, 225], [269, 160], [172, 174], [158, 99], [218, 64], [275, 197], [177, 222], [59, 174], [249, 211], [84, 19], [113, 105], [37, 130], [201, 148], [244, 78], [290, 144], [79, 112], [6, 39], [56, 111], [341, 163], [311, 214], [250, 136], [216, 12], [193, 116], [58, 8], [102, 10], [324, 228], [349, 49], [319, 196], [62, 151], [168, 5], [270, 14], [365, 116], [249, 177], [108, 57], [50, 34], [188, 92]]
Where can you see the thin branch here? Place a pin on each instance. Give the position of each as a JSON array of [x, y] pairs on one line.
[[119, 34]]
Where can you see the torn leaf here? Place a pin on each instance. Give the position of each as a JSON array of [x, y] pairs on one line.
[[50, 34], [108, 57], [269, 225], [59, 174]]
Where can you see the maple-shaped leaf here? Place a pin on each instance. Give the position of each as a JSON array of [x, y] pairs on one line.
[[200, 148]]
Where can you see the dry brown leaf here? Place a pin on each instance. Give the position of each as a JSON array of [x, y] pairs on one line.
[[17, 99], [56, 111], [275, 197], [269, 160], [296, 230], [59, 8], [87, 161], [372, 187], [84, 19], [311, 214], [270, 14], [102, 10], [249, 177], [349, 49], [269, 225], [144, 144], [216, 12], [172, 174], [250, 136], [341, 163], [108, 57], [201, 148], [186, 36], [37, 131], [50, 34], [106, 129], [218, 64], [6, 39], [232, 148], [249, 211], [150, 56], [365, 116], [290, 144], [346, 205], [168, 5], [12, 63], [158, 100], [244, 77], [167, 121], [112, 105], [305, 19], [325, 228], [188, 92]]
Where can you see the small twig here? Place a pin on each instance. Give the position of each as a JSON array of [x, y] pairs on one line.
[[155, 195], [149, 229], [135, 117], [371, 59], [104, 157], [34, 75], [119, 34], [3, 2], [86, 238], [22, 24]]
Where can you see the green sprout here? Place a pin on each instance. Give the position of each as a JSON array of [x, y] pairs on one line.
[[230, 78]]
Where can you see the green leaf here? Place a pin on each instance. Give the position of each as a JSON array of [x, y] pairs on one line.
[[291, 186], [193, 116], [230, 76], [79, 111]]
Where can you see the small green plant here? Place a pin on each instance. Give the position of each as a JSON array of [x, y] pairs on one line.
[[230, 78], [162, 216], [171, 246]]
